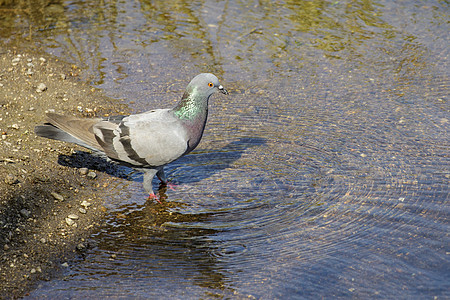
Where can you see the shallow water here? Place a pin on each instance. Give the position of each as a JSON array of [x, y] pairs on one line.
[[325, 172]]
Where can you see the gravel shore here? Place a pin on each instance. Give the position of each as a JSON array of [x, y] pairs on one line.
[[50, 198]]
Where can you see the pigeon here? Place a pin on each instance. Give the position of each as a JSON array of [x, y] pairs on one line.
[[146, 141]]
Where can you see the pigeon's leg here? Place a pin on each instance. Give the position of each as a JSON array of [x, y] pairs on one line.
[[164, 180], [161, 175], [149, 174]]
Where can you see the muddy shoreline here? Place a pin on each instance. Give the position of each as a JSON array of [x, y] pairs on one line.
[[49, 201]]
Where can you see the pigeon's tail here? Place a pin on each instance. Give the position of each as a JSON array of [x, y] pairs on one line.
[[69, 129]]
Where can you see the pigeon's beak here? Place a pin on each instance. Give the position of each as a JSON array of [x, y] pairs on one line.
[[222, 90]]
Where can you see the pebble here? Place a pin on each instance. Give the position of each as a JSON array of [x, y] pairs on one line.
[[69, 221], [57, 196], [15, 126], [41, 87], [43, 240], [83, 171], [65, 265], [73, 216], [63, 76], [8, 160], [86, 204], [25, 212], [30, 72], [32, 271], [82, 210], [15, 61], [30, 65], [5, 247], [11, 179], [91, 175], [81, 247], [42, 59]]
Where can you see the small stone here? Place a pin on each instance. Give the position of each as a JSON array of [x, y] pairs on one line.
[[11, 179], [82, 210], [25, 213], [30, 65], [4, 136], [65, 265], [43, 240], [15, 61], [69, 221], [57, 196], [63, 76], [31, 108], [91, 175], [6, 247], [41, 87], [73, 216], [85, 204], [15, 126], [81, 247], [83, 171], [39, 269], [29, 60], [8, 160], [42, 59], [32, 271], [29, 72]]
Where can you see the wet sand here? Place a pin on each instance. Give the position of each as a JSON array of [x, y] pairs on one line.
[[48, 207]]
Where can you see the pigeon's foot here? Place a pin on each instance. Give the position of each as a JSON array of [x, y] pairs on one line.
[[171, 185], [152, 197], [164, 186]]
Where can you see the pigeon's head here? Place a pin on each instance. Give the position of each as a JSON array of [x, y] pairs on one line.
[[204, 85]]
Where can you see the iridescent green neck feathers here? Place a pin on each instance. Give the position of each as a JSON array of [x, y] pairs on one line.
[[191, 105]]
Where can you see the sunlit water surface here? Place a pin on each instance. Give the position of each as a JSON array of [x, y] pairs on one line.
[[325, 172]]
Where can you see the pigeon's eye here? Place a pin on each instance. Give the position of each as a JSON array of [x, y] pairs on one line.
[[210, 84]]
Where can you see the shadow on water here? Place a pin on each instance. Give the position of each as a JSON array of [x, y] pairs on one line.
[[207, 163]]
